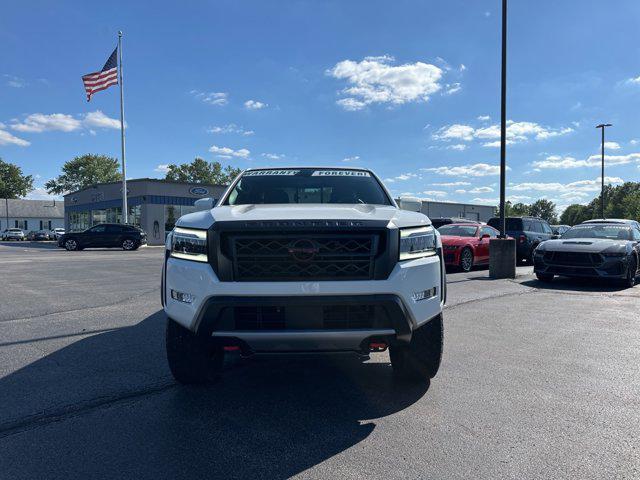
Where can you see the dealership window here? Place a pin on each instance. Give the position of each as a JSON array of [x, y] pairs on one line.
[[172, 213], [78, 221], [134, 215], [22, 224], [98, 216]]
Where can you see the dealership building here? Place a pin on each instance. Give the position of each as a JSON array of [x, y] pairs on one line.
[[31, 214], [479, 213], [154, 204]]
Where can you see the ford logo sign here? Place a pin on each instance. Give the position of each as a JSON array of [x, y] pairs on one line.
[[199, 191]]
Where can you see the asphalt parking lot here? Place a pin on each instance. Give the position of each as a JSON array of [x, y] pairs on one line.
[[537, 381]]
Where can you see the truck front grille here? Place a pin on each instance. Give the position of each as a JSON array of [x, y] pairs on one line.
[[303, 256], [325, 317]]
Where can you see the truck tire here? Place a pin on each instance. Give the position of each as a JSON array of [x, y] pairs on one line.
[[420, 359], [192, 359]]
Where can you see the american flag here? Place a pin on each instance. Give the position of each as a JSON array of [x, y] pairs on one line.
[[94, 82]]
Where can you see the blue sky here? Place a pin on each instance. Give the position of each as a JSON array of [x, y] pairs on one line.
[[407, 88]]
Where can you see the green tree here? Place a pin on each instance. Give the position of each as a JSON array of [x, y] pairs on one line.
[[13, 184], [84, 171], [544, 209], [515, 209], [575, 214], [201, 171]]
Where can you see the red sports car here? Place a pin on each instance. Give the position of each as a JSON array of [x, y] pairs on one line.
[[466, 244]]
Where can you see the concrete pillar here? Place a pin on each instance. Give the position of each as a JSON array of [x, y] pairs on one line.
[[502, 258]]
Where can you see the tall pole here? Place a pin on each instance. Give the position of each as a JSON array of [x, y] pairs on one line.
[[503, 122], [602, 126], [6, 203], [602, 175], [125, 210]]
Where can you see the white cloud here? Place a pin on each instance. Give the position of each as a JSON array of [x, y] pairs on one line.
[[39, 122], [451, 88], [226, 152], [377, 80], [273, 156], [634, 141], [7, 138], [516, 132], [98, 119], [451, 184], [486, 201], [558, 162], [354, 158], [40, 193], [481, 190], [455, 132], [612, 145], [634, 81], [402, 177], [458, 146], [474, 170], [463, 67], [254, 105], [461, 191], [484, 118], [518, 198], [435, 193], [573, 187], [211, 98], [13, 81], [230, 128], [162, 168]]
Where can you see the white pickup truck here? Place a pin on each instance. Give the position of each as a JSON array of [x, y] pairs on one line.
[[303, 260]]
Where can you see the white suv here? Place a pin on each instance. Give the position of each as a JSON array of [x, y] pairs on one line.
[[303, 260]]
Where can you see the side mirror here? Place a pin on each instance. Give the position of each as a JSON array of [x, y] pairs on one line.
[[412, 204], [203, 204], [485, 235], [555, 237]]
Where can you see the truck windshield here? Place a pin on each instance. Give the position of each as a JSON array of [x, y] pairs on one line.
[[307, 185]]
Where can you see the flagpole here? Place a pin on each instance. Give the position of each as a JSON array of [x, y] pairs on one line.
[[125, 209]]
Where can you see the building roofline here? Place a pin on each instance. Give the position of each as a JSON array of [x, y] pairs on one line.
[[145, 179]]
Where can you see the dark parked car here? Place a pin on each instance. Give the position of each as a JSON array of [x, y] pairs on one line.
[[529, 232], [103, 235], [438, 222], [37, 235]]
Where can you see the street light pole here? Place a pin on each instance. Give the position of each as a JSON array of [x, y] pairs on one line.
[[502, 250], [602, 126], [503, 123]]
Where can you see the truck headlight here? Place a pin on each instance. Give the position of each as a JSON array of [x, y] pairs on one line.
[[189, 244], [417, 242]]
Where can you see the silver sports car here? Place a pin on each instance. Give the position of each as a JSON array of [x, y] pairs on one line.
[[591, 250]]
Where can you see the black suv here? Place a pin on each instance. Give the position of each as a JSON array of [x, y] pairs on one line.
[[528, 232], [107, 235]]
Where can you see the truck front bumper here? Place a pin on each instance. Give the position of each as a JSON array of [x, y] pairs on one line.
[[305, 316]]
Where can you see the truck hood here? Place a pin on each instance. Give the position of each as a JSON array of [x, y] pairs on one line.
[[590, 245], [394, 216]]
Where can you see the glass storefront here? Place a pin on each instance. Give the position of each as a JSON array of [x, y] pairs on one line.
[[79, 221], [172, 213]]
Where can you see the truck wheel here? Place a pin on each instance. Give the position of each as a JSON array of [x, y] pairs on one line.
[[420, 359], [192, 360], [545, 277]]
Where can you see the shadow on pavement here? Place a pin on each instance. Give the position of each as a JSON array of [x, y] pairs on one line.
[[576, 285], [30, 244], [267, 418]]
